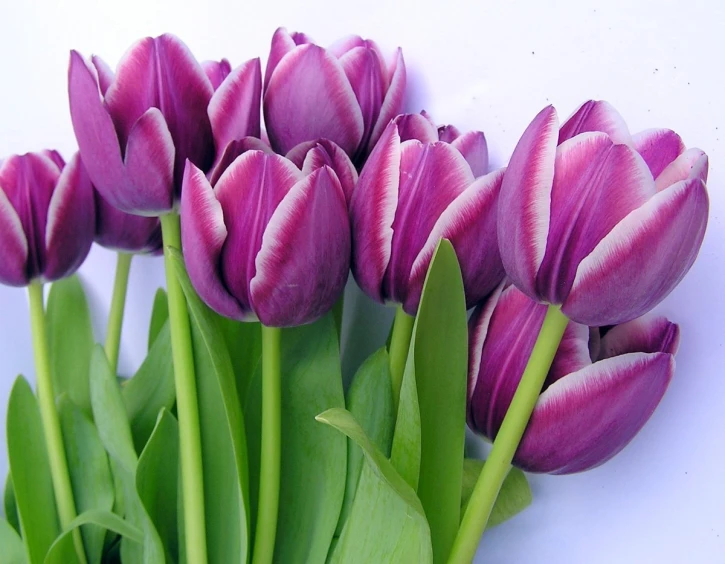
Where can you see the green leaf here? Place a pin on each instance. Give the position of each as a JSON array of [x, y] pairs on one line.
[[223, 439], [157, 481], [440, 346], [70, 340], [9, 504], [151, 389], [244, 343], [514, 497], [90, 472], [370, 401], [30, 469], [159, 315], [13, 551], [387, 522], [405, 453]]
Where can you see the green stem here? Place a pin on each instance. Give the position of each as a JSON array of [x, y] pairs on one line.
[[192, 479], [508, 437], [118, 303], [49, 415], [399, 346], [269, 468]]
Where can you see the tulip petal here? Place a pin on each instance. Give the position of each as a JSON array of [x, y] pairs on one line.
[[596, 184], [525, 201], [345, 44], [71, 222], [658, 147], [477, 332], [393, 101], [469, 223], [282, 43], [648, 334], [310, 84], [13, 243], [234, 109], [572, 354], [56, 157], [693, 163], [372, 212], [416, 126], [474, 149], [232, 151], [596, 115], [448, 133], [642, 259], [587, 417], [203, 234], [124, 232], [326, 153], [303, 264], [216, 71], [104, 72]]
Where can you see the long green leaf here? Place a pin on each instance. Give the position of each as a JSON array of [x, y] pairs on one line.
[[387, 522], [13, 551], [159, 315], [406, 449], [151, 389], [9, 505], [244, 343], [90, 472], [70, 340], [30, 469]]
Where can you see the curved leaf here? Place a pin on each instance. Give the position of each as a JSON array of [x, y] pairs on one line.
[[9, 505], [159, 315], [13, 549]]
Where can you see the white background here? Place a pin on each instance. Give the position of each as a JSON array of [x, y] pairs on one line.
[[484, 65]]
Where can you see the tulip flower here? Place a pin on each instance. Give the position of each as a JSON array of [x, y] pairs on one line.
[[137, 128], [603, 223], [265, 239], [414, 190], [47, 217], [346, 93], [601, 389], [124, 232]]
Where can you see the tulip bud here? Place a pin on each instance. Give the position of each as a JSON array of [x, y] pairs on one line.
[[604, 223], [346, 93], [47, 217], [413, 191], [136, 129], [601, 389], [264, 239]]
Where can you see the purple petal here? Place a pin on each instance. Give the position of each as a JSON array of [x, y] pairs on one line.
[[477, 332], [416, 126], [469, 223], [326, 153], [596, 115], [124, 232], [587, 417], [104, 72], [217, 71], [393, 101], [525, 200], [311, 85], [448, 133], [658, 147], [282, 43], [596, 184], [234, 108], [647, 334], [13, 243], [345, 44], [431, 177], [232, 151], [303, 264], [202, 236], [474, 149], [71, 222], [572, 354], [372, 212], [54, 156], [693, 163], [642, 259]]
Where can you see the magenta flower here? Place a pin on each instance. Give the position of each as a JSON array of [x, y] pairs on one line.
[[47, 217], [265, 239], [414, 190], [125, 232], [136, 129], [346, 93], [600, 391], [604, 223]]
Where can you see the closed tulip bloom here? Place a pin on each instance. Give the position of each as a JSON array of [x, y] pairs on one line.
[[265, 239], [346, 93], [137, 128], [597, 220], [125, 232], [413, 191], [47, 217], [601, 389]]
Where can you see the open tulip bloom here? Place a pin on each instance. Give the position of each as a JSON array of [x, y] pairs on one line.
[[236, 441]]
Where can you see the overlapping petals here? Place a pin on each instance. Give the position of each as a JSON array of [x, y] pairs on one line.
[[601, 389], [596, 220], [125, 232]]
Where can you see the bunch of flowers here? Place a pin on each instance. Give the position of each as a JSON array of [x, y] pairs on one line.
[[236, 440]]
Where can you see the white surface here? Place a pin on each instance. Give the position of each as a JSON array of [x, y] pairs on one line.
[[486, 65]]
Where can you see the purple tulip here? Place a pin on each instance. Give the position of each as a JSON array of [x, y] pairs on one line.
[[136, 129], [600, 391], [414, 190], [125, 232], [264, 238], [47, 217], [604, 223], [346, 93]]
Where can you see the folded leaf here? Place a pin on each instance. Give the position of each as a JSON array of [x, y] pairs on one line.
[[9, 504], [13, 549], [159, 315]]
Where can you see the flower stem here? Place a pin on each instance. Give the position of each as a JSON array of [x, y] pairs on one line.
[[399, 345], [192, 479], [269, 469], [508, 438], [49, 415], [118, 303]]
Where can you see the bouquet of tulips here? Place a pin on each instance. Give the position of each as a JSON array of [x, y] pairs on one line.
[[521, 299]]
